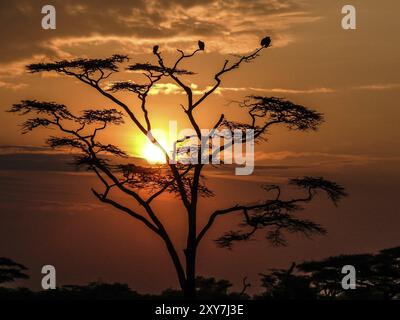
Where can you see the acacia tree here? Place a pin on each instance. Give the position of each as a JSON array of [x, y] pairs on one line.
[[378, 275], [185, 179]]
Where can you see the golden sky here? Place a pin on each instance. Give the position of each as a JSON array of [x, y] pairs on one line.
[[349, 75]]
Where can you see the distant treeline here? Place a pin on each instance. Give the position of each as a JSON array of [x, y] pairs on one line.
[[377, 277]]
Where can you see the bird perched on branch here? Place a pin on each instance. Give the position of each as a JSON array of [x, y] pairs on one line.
[[155, 49], [266, 42], [201, 45]]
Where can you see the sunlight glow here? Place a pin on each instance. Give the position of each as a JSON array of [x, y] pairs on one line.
[[153, 154]]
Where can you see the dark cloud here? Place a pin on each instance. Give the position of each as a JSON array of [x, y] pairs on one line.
[[31, 158], [80, 22], [36, 162], [7, 149]]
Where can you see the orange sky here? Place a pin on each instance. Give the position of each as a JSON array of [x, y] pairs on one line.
[[350, 76]]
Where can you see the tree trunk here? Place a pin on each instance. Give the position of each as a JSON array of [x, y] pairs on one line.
[[189, 291], [191, 245]]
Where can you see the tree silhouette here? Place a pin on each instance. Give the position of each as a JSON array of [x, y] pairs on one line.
[[274, 214], [285, 284], [11, 270], [377, 275], [325, 275], [210, 289]]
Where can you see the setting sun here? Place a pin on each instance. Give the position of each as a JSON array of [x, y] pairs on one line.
[[153, 154]]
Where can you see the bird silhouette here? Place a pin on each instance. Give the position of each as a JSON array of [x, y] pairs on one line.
[[201, 45], [155, 49], [266, 42]]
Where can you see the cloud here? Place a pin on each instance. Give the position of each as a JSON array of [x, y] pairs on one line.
[[172, 88], [33, 158], [381, 86], [135, 25], [36, 162], [12, 86], [9, 71], [165, 88], [318, 159], [282, 90], [4, 149], [62, 206]]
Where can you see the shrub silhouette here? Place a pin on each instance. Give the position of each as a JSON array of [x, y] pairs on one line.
[[11, 270]]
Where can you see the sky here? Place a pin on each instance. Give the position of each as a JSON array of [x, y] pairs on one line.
[[48, 214]]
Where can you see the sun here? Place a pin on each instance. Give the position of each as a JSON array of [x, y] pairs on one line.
[[153, 154]]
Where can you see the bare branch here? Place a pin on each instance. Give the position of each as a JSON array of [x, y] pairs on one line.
[[225, 69], [277, 214], [127, 210]]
